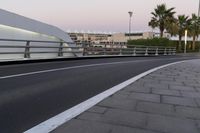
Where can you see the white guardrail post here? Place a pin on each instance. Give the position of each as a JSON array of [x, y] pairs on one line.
[[104, 51], [134, 51], [170, 51], [165, 51], [60, 50], [174, 51], [120, 51], [27, 50], [156, 52], [146, 51]]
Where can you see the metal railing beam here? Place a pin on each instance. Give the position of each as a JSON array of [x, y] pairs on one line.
[[29, 47]]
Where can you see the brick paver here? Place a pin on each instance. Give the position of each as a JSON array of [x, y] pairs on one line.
[[165, 101]]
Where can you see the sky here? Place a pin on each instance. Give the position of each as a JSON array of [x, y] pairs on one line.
[[95, 15]]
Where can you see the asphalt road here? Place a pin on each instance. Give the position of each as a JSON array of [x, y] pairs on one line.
[[33, 93]]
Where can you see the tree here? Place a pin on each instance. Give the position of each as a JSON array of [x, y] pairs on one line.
[[172, 27], [182, 23], [161, 17], [194, 29]]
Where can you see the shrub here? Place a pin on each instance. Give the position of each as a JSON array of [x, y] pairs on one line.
[[152, 42], [163, 42]]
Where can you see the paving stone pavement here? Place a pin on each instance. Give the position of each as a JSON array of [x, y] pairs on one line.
[[165, 101]]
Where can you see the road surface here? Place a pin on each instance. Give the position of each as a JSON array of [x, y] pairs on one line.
[[33, 93]]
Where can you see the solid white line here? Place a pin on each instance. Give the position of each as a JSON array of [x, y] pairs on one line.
[[74, 67], [52, 123]]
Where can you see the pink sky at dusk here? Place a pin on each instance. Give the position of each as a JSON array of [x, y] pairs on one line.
[[95, 15]]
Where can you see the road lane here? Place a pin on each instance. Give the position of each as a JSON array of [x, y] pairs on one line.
[[26, 101], [33, 67]]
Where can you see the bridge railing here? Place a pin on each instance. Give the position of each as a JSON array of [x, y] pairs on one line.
[[29, 48], [134, 51]]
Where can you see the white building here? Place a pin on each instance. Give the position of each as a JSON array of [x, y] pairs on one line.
[[16, 27], [108, 40]]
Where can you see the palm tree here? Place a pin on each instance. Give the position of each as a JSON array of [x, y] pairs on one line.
[[183, 23], [172, 27], [194, 29], [161, 16]]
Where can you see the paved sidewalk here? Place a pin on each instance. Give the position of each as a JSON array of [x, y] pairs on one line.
[[165, 101]]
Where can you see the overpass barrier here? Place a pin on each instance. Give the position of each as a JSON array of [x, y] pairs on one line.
[[32, 49], [134, 51]]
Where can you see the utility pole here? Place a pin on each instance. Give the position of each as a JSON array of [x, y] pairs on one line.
[[199, 9], [130, 14]]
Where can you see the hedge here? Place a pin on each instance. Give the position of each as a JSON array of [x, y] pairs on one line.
[[164, 42]]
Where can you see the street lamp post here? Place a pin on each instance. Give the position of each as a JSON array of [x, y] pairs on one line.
[[130, 14], [198, 18], [199, 9], [186, 32]]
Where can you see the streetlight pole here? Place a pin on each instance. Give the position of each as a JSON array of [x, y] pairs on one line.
[[198, 18], [186, 32], [130, 14], [199, 9]]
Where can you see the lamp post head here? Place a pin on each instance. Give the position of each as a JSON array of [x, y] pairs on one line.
[[130, 13], [186, 32]]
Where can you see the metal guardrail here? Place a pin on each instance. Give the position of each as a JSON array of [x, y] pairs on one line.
[[27, 49], [134, 51]]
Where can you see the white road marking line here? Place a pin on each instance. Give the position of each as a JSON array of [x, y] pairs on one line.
[[74, 67], [52, 123]]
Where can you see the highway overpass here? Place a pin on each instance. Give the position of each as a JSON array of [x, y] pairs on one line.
[[28, 32]]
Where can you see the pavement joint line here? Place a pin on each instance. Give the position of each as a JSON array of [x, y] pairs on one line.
[[74, 67], [54, 122]]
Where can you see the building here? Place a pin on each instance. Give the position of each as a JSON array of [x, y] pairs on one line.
[[124, 37], [17, 27], [107, 40], [89, 38]]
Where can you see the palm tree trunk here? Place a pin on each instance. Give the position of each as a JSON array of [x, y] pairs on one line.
[[193, 42], [161, 34], [180, 39], [162, 28]]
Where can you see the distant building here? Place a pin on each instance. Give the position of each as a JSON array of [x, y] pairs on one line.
[[89, 38], [165, 35], [108, 40]]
